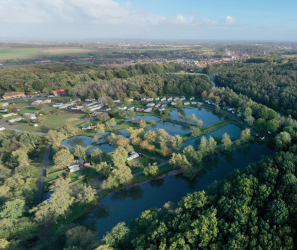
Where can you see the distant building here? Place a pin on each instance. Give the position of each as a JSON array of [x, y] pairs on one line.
[[157, 99], [169, 99], [192, 98], [132, 108], [122, 108], [74, 168], [116, 101], [133, 155], [1, 128], [59, 92], [163, 99], [17, 119], [186, 103], [148, 110], [138, 121], [150, 105], [10, 95]]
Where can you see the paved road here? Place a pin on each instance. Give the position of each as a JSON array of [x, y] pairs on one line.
[[45, 162]]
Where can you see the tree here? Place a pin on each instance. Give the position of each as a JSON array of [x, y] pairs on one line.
[[87, 110], [102, 116], [204, 95], [151, 136], [151, 148], [100, 128], [176, 160], [165, 112], [80, 152], [136, 141], [81, 238], [226, 141], [127, 101], [260, 125], [277, 211], [119, 156], [283, 139], [250, 120], [27, 118], [20, 158], [68, 129], [59, 204], [87, 195], [212, 144], [13, 209], [63, 158], [245, 135], [142, 124], [248, 112], [55, 137], [117, 235], [177, 142], [110, 183], [96, 155], [203, 146], [104, 169], [123, 174], [166, 152], [272, 125], [179, 104], [195, 131], [200, 123], [129, 114], [110, 123], [151, 170]]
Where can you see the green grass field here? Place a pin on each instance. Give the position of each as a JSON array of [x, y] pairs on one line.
[[19, 53], [54, 122]]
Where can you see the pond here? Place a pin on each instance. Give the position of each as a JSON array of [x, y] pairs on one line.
[[151, 118], [122, 132], [171, 128], [128, 203], [208, 116], [104, 133], [81, 140], [232, 130], [103, 140], [105, 148], [134, 118]]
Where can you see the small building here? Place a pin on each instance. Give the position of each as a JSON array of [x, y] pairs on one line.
[[3, 110], [158, 105], [89, 100], [192, 98], [169, 99], [230, 109], [89, 127], [182, 98], [17, 119], [161, 109], [143, 99], [116, 101], [57, 105], [176, 98], [150, 105], [173, 103], [164, 106], [122, 108], [139, 109], [163, 99], [5, 104], [186, 103], [11, 95], [74, 168], [262, 137], [193, 103], [1, 128], [133, 155], [148, 110], [157, 98], [59, 92], [9, 114], [31, 115], [132, 108], [137, 121], [149, 99]]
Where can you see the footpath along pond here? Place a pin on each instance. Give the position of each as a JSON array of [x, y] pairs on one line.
[[128, 203]]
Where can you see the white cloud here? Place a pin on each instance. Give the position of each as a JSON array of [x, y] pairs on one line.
[[228, 20], [99, 12]]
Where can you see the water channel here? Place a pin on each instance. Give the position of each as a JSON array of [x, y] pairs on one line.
[[128, 203]]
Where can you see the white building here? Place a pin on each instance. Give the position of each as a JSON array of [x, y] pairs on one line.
[[132, 108], [192, 98], [133, 155], [57, 105], [17, 119], [149, 99], [164, 106], [193, 102], [143, 99], [158, 105], [10, 114], [157, 98], [31, 115], [148, 110], [1, 128], [173, 103], [122, 108], [150, 105], [182, 98], [161, 109], [186, 103], [74, 168], [163, 99], [3, 110], [169, 99], [116, 101]]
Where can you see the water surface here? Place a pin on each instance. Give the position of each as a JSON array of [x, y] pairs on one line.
[[128, 203], [134, 118], [151, 118], [105, 148], [171, 128], [122, 132], [81, 140], [232, 130], [208, 116]]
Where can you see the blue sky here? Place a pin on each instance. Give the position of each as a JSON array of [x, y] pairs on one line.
[[153, 19]]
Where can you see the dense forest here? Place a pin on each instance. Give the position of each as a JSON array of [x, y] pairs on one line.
[[271, 83], [255, 209], [44, 78]]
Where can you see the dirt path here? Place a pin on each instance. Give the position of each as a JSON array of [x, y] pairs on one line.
[[45, 162]]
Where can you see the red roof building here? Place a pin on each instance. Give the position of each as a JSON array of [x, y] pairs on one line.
[[59, 92]]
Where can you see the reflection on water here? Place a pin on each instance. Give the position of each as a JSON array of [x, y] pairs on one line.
[[134, 192], [208, 116], [129, 203], [232, 130], [151, 118], [171, 128], [81, 140]]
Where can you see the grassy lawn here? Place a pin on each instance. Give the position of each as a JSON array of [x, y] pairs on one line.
[[53, 122], [21, 53]]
